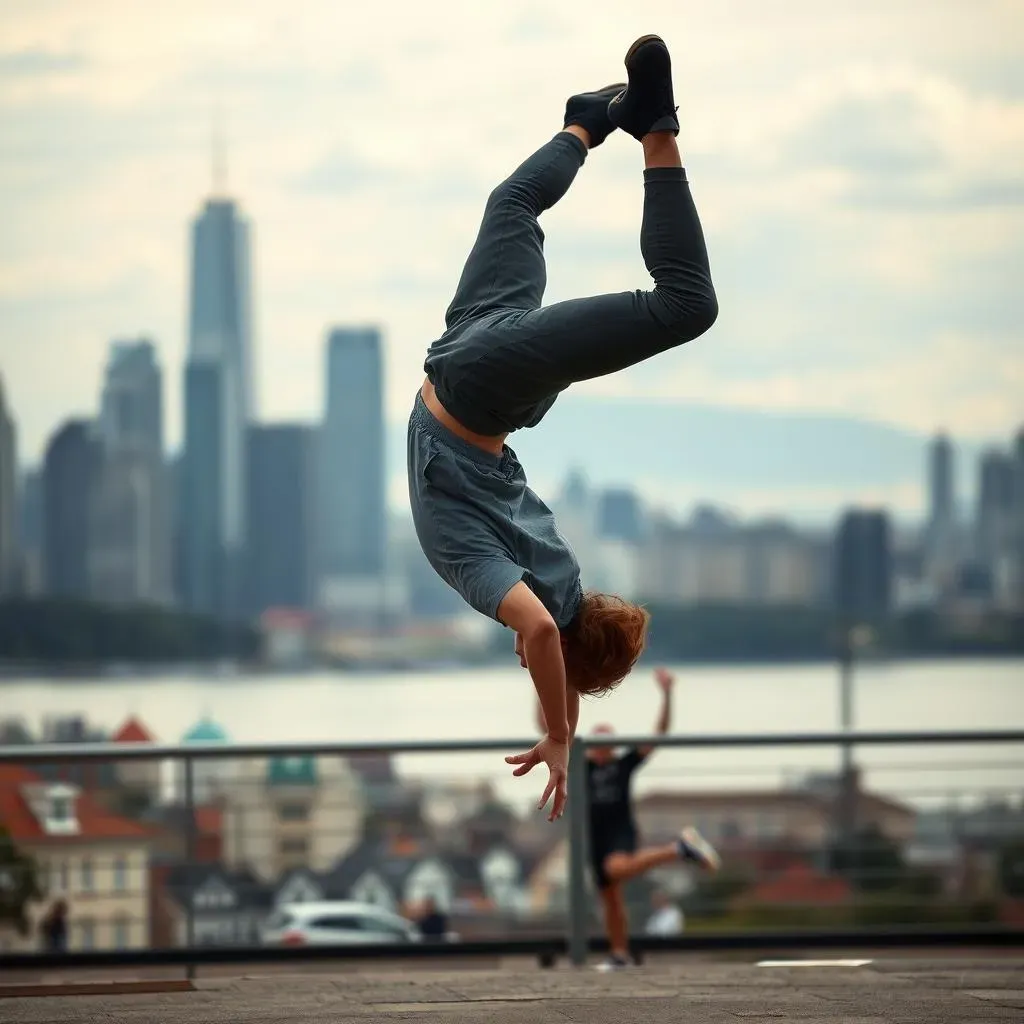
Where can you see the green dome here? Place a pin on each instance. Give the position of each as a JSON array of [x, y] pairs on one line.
[[206, 730], [291, 771]]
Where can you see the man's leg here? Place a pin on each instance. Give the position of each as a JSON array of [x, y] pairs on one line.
[[554, 346], [505, 269], [621, 866], [616, 921]]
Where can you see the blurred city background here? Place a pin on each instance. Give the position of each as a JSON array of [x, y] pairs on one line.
[[228, 239]]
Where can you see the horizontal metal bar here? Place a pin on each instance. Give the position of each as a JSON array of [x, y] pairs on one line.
[[982, 936], [276, 954], [53, 753]]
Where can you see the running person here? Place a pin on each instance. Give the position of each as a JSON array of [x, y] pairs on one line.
[[499, 367], [614, 856]]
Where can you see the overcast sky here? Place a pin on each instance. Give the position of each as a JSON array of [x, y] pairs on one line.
[[859, 169]]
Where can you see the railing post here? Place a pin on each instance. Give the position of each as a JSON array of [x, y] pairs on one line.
[[190, 857], [578, 913]]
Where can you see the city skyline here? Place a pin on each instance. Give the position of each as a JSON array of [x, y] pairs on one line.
[[863, 213]]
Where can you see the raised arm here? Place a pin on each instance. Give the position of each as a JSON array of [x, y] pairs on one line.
[[665, 681], [522, 611]]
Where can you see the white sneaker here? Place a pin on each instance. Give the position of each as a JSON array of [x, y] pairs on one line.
[[693, 846], [613, 963]]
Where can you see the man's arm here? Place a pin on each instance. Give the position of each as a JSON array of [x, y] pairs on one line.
[[522, 611], [542, 646], [572, 706], [665, 681]]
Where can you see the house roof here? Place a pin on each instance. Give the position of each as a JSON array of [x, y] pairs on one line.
[[206, 730], [132, 731], [95, 822], [800, 884], [760, 798], [182, 880]]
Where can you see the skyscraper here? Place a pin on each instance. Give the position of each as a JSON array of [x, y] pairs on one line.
[[71, 470], [863, 566], [352, 521], [940, 546], [218, 407], [994, 517], [620, 515], [130, 543], [281, 515], [131, 406], [8, 498], [941, 505]]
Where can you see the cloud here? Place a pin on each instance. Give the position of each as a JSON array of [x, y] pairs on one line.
[[38, 62], [863, 214]]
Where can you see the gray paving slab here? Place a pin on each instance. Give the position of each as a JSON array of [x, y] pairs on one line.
[[663, 992]]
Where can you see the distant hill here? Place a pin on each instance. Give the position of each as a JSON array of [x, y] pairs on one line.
[[718, 450]]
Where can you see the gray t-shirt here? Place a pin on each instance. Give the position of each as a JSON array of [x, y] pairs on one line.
[[480, 526]]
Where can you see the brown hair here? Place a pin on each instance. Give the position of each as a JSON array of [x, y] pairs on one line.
[[603, 642]]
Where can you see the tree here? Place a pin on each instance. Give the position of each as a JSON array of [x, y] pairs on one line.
[[19, 884], [870, 861]]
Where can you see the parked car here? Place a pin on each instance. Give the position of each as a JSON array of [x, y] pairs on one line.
[[336, 923]]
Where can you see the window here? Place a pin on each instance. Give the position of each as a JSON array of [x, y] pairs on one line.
[[122, 933], [87, 933], [294, 847], [60, 809], [293, 811], [64, 876], [120, 874], [338, 923], [86, 874]]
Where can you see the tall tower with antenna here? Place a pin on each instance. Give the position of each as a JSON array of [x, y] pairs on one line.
[[218, 401]]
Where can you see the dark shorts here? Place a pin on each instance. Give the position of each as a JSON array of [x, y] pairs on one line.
[[603, 843]]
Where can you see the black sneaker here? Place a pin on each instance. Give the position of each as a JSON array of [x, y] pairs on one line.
[[648, 103], [590, 110]]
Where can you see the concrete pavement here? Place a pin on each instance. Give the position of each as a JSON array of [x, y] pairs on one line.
[[665, 990]]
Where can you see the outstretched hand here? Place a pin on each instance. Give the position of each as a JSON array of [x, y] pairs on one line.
[[556, 756], [664, 679]]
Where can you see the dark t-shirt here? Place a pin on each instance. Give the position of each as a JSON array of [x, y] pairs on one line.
[[608, 788], [481, 527]]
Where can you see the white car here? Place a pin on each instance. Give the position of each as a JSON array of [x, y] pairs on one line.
[[336, 923]]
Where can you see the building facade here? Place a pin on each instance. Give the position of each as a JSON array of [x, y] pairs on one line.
[[71, 471], [351, 481], [94, 859], [9, 561], [218, 409], [863, 566], [281, 516]]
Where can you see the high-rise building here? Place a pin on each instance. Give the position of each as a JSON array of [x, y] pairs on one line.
[[941, 533], [8, 499], [351, 488], [31, 529], [863, 566], [71, 470], [218, 408], [281, 515], [619, 515], [131, 406], [942, 501], [996, 493], [130, 544]]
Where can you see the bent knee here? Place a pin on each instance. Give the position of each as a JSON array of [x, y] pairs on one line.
[[694, 317]]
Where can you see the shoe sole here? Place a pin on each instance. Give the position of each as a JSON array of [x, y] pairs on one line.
[[642, 41], [707, 855]]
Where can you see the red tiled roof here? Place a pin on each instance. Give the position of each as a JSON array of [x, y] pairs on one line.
[[209, 820], [800, 884], [132, 731], [95, 822]]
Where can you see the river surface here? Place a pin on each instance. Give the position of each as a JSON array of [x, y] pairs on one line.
[[495, 703]]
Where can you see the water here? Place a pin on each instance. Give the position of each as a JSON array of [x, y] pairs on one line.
[[497, 703]]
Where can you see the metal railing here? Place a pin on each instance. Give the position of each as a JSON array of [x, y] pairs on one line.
[[576, 941]]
